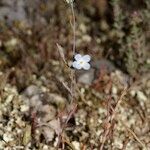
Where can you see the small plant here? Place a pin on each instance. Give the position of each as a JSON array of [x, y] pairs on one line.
[[79, 62]]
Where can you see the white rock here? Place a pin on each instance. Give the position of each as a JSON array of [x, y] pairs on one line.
[[86, 77], [24, 108], [102, 111], [45, 147], [83, 28], [86, 38], [100, 121], [118, 143], [132, 93], [7, 137], [76, 145], [141, 96], [12, 42], [56, 141], [2, 144], [36, 101], [148, 61], [9, 128], [98, 133], [114, 90], [20, 122], [31, 91], [10, 89], [9, 99]]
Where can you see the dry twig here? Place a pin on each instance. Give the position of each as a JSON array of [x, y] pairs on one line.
[[134, 135], [110, 119]]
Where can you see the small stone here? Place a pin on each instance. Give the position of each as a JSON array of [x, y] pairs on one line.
[[141, 96], [9, 99], [100, 121], [86, 77], [2, 144], [132, 93], [56, 141], [31, 91], [36, 101], [114, 90], [12, 42], [9, 129], [24, 108], [102, 111], [86, 38], [118, 143], [83, 28], [98, 133], [148, 61], [20, 122], [7, 137], [45, 147], [76, 145]]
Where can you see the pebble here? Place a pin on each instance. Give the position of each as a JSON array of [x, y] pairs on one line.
[[148, 61], [20, 122], [9, 99], [118, 143], [45, 147], [83, 28], [86, 77], [114, 90], [2, 144], [76, 145], [24, 108], [102, 111], [31, 91], [7, 137], [133, 93], [141, 96], [36, 101], [12, 42], [86, 38]]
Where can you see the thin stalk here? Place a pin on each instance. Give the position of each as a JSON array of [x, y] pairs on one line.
[[74, 29], [73, 80]]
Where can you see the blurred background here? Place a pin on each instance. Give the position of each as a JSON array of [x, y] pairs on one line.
[[110, 29], [115, 33]]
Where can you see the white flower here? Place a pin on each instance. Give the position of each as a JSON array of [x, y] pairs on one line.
[[81, 62]]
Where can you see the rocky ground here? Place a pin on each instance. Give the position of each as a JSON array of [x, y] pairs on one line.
[[111, 106]]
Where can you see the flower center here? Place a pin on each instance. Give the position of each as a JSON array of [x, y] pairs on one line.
[[81, 62]]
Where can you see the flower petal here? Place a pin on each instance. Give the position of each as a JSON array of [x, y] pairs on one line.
[[76, 65], [86, 66], [77, 57], [86, 58]]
